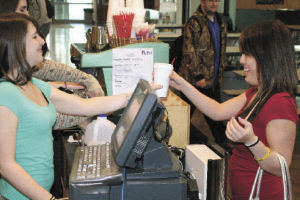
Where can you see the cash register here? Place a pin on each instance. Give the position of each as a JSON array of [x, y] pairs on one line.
[[137, 164]]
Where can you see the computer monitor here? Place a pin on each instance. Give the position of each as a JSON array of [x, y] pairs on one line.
[[150, 169], [135, 128]]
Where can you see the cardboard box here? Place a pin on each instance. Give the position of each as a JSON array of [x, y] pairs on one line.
[[179, 118]]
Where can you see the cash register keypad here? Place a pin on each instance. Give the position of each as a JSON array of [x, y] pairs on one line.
[[93, 160]]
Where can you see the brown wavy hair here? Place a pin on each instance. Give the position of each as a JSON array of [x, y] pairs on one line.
[[271, 45], [7, 6], [13, 64]]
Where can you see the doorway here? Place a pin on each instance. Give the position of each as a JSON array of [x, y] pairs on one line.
[[70, 11]]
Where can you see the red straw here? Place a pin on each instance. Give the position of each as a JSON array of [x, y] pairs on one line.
[[123, 23], [173, 60]]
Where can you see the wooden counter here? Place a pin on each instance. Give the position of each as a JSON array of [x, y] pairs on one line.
[[179, 118]]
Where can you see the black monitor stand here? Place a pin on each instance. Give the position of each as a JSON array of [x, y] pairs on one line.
[[157, 162], [158, 175]]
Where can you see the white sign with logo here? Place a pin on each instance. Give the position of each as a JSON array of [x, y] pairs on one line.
[[129, 65]]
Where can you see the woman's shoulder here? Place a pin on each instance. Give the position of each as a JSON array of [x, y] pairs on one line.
[[42, 85], [281, 97], [283, 101], [10, 96], [7, 87], [281, 106]]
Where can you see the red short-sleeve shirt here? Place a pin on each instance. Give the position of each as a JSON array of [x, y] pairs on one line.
[[243, 166]]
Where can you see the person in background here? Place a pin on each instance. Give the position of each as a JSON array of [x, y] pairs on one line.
[[28, 109], [54, 71], [263, 119], [38, 10], [204, 59]]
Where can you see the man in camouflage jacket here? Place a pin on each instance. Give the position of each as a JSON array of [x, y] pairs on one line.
[[202, 65]]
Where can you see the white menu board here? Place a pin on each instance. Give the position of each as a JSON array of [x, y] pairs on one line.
[[129, 65]]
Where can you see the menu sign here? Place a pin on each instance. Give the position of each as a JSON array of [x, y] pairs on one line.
[[129, 65]]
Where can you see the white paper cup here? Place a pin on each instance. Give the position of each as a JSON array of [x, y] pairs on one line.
[[161, 76]]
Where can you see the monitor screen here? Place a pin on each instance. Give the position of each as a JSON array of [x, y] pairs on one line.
[[131, 134]]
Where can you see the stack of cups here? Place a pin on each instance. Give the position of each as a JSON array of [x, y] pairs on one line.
[[129, 3], [137, 7], [113, 6], [121, 3], [162, 72], [138, 4]]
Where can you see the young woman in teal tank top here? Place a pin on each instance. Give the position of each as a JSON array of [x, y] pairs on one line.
[[27, 112]]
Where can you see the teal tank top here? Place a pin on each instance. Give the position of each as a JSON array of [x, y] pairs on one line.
[[34, 141]]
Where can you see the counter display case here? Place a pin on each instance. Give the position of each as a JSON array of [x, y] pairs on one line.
[[167, 15]]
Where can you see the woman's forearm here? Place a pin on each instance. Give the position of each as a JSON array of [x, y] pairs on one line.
[[23, 182], [266, 158], [205, 104], [55, 71], [74, 105]]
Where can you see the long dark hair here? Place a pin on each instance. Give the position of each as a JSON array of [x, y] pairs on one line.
[[270, 43], [8, 6], [13, 64]]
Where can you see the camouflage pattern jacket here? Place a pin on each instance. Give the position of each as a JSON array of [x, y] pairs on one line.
[[198, 49]]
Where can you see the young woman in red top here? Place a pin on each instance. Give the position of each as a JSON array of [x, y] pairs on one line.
[[263, 119]]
